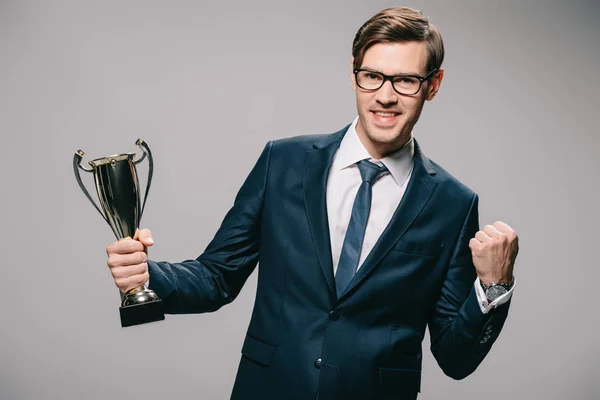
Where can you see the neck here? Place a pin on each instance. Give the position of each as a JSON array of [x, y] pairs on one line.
[[379, 150]]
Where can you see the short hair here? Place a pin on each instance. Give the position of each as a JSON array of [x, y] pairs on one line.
[[399, 24]]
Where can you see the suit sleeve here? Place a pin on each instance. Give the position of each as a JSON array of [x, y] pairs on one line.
[[461, 335], [216, 277]]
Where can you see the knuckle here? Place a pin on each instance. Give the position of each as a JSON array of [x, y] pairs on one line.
[[137, 269], [111, 262], [132, 246], [110, 249]]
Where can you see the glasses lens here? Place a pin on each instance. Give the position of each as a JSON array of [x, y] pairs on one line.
[[406, 84], [369, 80]]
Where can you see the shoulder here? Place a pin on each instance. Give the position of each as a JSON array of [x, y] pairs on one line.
[[300, 144], [449, 186], [449, 180]]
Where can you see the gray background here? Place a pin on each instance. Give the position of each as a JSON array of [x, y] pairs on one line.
[[207, 83]]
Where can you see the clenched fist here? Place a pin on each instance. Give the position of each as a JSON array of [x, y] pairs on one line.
[[494, 252], [127, 260]]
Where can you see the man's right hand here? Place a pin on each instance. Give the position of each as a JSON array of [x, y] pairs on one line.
[[127, 260]]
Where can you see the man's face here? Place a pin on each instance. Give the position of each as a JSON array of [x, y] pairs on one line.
[[386, 118]]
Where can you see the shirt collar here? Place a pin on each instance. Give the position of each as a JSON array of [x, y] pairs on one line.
[[351, 151]]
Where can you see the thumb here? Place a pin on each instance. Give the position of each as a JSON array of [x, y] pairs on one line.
[[145, 237]]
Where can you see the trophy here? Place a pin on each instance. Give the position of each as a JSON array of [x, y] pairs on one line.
[[118, 190]]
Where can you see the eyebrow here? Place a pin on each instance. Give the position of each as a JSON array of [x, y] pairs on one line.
[[400, 74]]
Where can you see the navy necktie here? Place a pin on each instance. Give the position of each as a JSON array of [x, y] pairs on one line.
[[355, 234]]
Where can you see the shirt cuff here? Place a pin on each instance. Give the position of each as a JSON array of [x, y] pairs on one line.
[[482, 299]]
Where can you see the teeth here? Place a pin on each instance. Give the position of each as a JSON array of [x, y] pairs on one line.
[[384, 114]]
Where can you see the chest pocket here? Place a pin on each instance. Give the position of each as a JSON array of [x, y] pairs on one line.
[[424, 249]]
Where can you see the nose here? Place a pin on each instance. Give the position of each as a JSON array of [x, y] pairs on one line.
[[386, 95]]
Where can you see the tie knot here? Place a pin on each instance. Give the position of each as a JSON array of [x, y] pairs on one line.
[[369, 171]]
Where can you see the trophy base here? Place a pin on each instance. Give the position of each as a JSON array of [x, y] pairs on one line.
[[143, 313]]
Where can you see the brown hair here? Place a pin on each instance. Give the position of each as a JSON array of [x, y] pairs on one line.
[[399, 24]]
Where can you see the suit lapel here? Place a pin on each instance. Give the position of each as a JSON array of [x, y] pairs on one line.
[[317, 163], [418, 192]]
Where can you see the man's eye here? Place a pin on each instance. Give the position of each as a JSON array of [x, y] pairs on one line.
[[405, 80], [373, 77]]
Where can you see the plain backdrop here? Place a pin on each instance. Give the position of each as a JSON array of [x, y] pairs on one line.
[[207, 84]]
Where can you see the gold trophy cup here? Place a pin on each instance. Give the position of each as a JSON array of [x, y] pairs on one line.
[[118, 190]]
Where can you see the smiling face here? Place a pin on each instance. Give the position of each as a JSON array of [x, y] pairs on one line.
[[385, 117]]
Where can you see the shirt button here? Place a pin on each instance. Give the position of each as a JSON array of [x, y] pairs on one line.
[[334, 315], [318, 363]]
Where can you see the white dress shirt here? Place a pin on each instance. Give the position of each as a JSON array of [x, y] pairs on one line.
[[388, 190]]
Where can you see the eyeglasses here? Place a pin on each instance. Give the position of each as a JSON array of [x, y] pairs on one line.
[[403, 84]]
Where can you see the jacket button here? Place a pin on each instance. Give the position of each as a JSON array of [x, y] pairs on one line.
[[334, 315], [318, 363]]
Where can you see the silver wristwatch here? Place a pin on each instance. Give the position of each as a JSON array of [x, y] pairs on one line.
[[495, 289]]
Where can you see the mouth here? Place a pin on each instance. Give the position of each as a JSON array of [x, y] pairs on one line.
[[385, 118]]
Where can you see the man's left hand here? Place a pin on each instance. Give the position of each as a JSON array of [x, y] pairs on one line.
[[494, 251]]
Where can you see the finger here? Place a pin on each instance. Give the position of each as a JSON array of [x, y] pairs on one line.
[[492, 231], [145, 236], [483, 237], [124, 260], [504, 228], [129, 271], [124, 246], [474, 244], [132, 282]]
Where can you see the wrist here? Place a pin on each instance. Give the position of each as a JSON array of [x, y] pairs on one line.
[[494, 290], [503, 280]]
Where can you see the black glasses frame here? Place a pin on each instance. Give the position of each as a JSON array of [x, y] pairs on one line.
[[392, 77]]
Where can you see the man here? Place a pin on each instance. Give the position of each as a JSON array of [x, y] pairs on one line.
[[362, 242]]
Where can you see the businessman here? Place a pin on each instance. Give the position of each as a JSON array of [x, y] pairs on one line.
[[362, 242]]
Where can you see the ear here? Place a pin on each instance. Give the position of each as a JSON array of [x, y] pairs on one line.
[[434, 85], [352, 77]]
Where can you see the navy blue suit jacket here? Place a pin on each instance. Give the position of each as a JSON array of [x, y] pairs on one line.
[[366, 344]]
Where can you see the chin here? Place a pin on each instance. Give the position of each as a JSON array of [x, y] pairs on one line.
[[384, 136]]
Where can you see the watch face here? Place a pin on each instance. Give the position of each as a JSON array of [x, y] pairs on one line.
[[495, 291]]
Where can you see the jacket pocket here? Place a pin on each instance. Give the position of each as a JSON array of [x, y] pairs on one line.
[[400, 379], [257, 351], [418, 248]]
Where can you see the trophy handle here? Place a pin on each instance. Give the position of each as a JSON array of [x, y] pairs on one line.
[[146, 150], [76, 166]]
